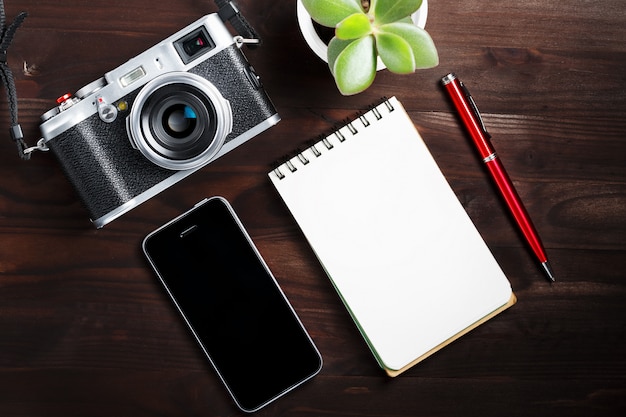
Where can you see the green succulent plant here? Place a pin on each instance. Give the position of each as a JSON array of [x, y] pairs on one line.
[[365, 30]]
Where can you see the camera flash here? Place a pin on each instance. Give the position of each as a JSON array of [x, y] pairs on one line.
[[132, 76]]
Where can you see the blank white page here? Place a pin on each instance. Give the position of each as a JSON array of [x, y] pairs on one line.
[[395, 241]]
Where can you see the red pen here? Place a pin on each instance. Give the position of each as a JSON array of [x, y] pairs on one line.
[[465, 105]]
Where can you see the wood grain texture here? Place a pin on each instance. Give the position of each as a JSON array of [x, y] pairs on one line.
[[85, 330]]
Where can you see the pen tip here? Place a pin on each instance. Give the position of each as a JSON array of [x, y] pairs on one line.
[[548, 271]]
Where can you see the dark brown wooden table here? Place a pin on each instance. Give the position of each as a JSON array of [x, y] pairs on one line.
[[85, 329]]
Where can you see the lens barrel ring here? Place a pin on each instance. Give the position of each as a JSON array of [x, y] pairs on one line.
[[178, 123], [157, 130]]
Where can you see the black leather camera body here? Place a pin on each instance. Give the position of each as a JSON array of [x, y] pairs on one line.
[[157, 118]]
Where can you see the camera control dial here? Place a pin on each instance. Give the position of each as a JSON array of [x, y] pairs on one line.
[[91, 88], [106, 111]]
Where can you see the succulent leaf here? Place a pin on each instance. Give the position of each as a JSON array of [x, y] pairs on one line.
[[388, 11], [331, 12], [355, 66], [335, 47], [395, 52], [354, 26], [422, 45]]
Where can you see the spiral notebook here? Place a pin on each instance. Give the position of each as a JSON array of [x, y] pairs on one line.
[[399, 248]]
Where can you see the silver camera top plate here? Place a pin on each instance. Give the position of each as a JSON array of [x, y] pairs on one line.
[[160, 59]]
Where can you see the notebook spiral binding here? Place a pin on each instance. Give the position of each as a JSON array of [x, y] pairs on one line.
[[341, 133]]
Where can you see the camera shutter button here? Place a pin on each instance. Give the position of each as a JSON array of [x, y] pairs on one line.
[[107, 112], [63, 98]]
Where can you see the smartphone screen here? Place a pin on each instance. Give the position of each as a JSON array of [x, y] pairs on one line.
[[233, 305]]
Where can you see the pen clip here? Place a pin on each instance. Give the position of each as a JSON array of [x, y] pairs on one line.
[[474, 107]]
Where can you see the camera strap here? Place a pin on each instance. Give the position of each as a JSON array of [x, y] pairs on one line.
[[228, 12], [6, 37]]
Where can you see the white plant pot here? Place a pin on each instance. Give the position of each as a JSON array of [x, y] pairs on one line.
[[320, 48]]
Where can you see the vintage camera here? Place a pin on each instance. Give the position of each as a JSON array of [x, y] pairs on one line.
[[157, 118]]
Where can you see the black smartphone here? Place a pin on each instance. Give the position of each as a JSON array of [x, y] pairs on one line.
[[232, 303]]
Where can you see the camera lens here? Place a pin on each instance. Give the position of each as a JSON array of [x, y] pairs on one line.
[[179, 121], [174, 120]]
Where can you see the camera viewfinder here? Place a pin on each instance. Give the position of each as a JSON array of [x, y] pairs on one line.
[[193, 45]]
